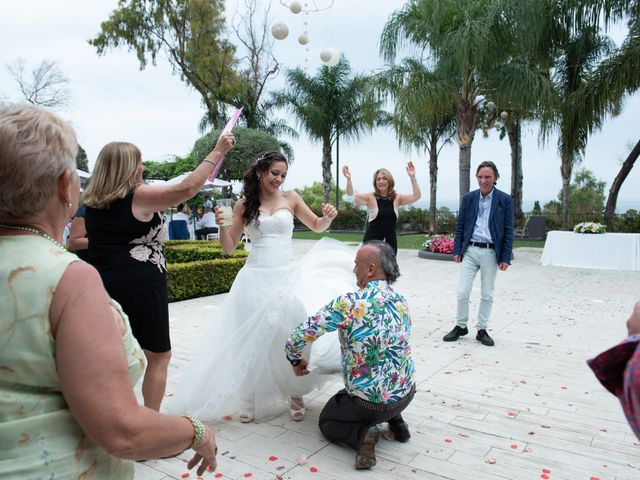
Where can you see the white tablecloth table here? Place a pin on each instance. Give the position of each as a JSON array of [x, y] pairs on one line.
[[608, 251]]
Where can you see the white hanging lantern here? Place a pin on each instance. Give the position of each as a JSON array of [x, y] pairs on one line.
[[303, 39], [330, 56], [279, 30], [491, 106], [496, 124], [295, 7], [504, 115]]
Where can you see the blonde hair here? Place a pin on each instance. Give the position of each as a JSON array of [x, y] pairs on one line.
[[391, 193], [114, 174], [36, 147]]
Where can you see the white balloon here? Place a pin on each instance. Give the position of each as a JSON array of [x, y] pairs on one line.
[[330, 56], [295, 7], [279, 30], [303, 39]]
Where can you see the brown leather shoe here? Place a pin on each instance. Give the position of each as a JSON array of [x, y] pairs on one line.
[[366, 455]]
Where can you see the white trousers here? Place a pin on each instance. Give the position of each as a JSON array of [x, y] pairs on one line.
[[474, 259]]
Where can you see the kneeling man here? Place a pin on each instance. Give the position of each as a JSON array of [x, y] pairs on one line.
[[374, 326]]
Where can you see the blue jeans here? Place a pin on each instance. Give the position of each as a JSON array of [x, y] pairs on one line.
[[474, 259]]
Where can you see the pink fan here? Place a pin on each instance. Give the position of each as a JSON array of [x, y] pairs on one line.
[[227, 128]]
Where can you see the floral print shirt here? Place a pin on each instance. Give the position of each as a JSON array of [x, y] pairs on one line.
[[374, 326]]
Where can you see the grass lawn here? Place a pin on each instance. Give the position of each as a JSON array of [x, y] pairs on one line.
[[411, 242]]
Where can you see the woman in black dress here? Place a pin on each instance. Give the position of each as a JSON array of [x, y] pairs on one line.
[[125, 232], [383, 203]]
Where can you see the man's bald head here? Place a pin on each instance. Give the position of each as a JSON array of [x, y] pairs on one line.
[[375, 260]]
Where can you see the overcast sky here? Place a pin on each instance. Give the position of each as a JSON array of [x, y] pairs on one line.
[[113, 100]]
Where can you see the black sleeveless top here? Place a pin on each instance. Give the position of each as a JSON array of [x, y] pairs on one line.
[[383, 227], [128, 255]]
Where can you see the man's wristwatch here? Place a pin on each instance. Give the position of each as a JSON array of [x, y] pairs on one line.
[[296, 362]]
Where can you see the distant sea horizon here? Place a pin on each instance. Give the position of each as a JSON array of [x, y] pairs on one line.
[[527, 205]]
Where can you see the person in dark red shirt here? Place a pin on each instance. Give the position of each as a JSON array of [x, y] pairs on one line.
[[618, 369]]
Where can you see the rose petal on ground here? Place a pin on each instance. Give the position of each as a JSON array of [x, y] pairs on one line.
[[544, 476], [273, 458], [512, 414], [514, 446], [546, 470], [313, 469], [247, 475], [594, 478], [448, 440], [185, 475], [218, 475], [490, 461], [227, 417]]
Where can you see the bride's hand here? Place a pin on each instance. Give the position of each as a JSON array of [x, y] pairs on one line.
[[328, 211]]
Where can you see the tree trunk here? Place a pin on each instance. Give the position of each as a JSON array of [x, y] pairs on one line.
[[326, 169], [565, 171], [433, 183], [466, 120], [514, 132], [612, 199]]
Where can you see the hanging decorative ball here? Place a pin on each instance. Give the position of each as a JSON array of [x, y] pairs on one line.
[[504, 115], [279, 30], [496, 124], [491, 106], [303, 39], [330, 56], [295, 7]]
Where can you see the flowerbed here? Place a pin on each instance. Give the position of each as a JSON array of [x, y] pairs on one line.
[[439, 244], [589, 227]]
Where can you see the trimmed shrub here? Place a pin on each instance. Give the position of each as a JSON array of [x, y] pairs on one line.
[[194, 253], [202, 278]]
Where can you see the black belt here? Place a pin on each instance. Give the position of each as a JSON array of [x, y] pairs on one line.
[[382, 407], [482, 245]]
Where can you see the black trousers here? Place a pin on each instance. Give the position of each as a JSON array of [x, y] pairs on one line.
[[346, 419]]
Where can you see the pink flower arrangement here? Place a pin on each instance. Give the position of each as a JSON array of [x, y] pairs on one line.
[[439, 244]]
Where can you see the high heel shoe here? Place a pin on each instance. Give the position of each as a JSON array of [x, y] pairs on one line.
[[245, 412], [296, 409]]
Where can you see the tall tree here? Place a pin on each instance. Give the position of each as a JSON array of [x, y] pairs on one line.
[[81, 159], [190, 34], [424, 115], [616, 77], [257, 67], [46, 85], [579, 54], [330, 105], [466, 38]]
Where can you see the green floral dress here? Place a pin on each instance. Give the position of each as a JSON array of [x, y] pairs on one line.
[[39, 439]]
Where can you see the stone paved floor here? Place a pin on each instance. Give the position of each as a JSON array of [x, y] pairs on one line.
[[514, 411]]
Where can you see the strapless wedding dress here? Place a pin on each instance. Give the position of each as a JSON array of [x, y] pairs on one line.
[[241, 357]]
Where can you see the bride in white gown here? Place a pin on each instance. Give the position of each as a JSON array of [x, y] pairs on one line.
[[240, 365]]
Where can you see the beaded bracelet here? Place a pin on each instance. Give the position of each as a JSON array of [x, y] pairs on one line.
[[198, 431]]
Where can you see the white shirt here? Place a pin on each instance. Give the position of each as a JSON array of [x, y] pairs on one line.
[[180, 216], [208, 220]]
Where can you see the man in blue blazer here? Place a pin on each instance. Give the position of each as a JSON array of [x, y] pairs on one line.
[[483, 241]]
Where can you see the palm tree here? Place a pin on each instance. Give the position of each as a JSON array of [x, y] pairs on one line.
[[466, 39], [579, 54], [331, 105], [615, 78], [424, 115]]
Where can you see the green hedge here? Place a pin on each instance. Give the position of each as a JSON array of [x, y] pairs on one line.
[[194, 253], [198, 268], [201, 279]]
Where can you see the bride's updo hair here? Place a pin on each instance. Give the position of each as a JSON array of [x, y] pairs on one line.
[[251, 179]]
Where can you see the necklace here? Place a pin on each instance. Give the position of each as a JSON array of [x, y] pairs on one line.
[[35, 230]]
